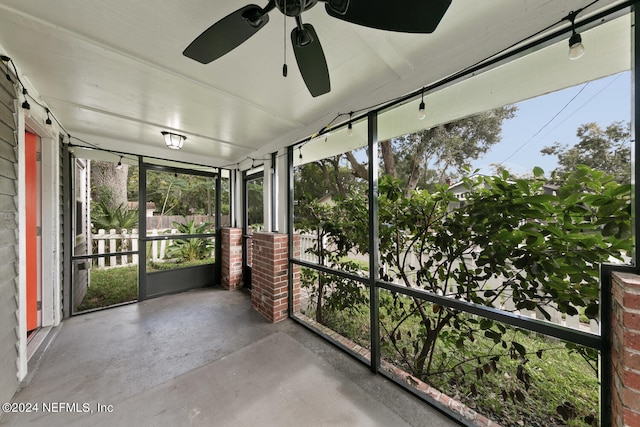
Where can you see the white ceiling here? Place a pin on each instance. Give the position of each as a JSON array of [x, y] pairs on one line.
[[113, 72]]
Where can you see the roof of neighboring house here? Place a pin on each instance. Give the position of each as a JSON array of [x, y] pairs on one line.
[[327, 198]]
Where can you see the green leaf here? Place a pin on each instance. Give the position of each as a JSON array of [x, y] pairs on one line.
[[538, 172], [592, 311], [519, 348], [486, 324]]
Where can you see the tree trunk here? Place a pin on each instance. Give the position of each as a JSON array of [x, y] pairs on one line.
[[414, 175], [387, 159], [358, 169], [109, 184], [327, 177]]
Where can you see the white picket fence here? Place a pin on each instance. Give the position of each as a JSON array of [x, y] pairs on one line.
[[126, 240], [308, 241]]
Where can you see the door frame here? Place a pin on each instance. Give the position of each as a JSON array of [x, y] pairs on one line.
[[153, 284], [246, 231]]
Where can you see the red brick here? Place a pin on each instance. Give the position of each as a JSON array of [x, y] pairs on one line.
[[631, 398], [631, 379], [632, 340], [631, 359], [631, 320], [628, 280], [631, 300], [631, 418]]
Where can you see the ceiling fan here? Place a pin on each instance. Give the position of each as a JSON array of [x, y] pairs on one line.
[[408, 16]]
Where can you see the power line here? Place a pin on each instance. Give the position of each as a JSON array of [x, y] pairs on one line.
[[547, 123], [583, 104]]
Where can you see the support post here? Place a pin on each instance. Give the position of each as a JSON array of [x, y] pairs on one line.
[[270, 285], [231, 265]]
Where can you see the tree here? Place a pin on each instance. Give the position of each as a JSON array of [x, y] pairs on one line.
[[338, 229], [606, 150], [508, 241], [181, 194], [109, 209], [109, 184], [255, 202], [441, 153], [330, 175]]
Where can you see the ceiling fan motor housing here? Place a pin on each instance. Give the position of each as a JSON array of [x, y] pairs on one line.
[[294, 7]]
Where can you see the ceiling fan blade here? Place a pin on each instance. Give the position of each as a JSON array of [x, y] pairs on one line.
[[406, 16], [311, 60], [227, 34]]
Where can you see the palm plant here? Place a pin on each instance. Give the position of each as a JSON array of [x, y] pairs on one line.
[[105, 217], [198, 248]]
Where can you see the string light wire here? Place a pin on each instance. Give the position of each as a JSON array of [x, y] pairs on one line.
[[357, 112]]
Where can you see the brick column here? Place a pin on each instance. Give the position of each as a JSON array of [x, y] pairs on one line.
[[270, 268], [626, 350], [231, 258], [296, 274]]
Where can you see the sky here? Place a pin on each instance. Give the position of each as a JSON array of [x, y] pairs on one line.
[[536, 125]]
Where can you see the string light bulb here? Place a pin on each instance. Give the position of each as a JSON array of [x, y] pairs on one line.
[[350, 125], [25, 104], [119, 165], [5, 59], [576, 48], [300, 152], [421, 109], [48, 121]]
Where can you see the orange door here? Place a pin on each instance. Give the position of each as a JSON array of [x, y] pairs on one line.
[[32, 184]]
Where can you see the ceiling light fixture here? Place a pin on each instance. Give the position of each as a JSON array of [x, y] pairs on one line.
[[173, 140], [576, 48], [421, 113]]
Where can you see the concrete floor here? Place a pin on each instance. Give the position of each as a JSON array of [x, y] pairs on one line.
[[204, 358]]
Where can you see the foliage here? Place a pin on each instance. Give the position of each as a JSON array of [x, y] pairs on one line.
[[441, 153], [544, 248], [255, 206], [607, 150], [182, 194], [105, 217], [185, 250], [506, 240], [331, 175], [446, 150], [327, 222]]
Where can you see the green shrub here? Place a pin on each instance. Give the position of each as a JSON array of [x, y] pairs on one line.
[[185, 250]]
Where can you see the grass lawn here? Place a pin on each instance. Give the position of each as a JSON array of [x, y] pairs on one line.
[[118, 285], [111, 286]]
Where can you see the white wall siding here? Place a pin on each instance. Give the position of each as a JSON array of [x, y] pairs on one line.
[[8, 241]]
